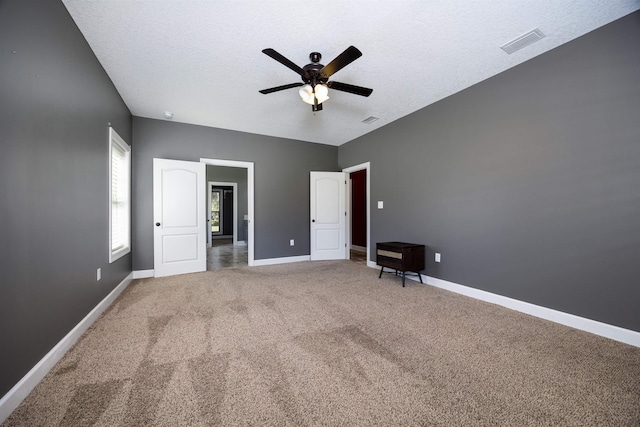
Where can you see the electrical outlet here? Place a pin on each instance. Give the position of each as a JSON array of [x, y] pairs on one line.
[[437, 257], [380, 204], [98, 274], [292, 242]]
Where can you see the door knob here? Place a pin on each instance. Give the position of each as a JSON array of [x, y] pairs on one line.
[[313, 220], [157, 224]]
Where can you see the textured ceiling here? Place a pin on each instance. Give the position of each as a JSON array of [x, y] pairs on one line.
[[202, 59]]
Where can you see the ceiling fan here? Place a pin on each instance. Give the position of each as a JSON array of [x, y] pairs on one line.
[[315, 77]]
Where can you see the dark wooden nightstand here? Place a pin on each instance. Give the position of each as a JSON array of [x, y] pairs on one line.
[[400, 256]]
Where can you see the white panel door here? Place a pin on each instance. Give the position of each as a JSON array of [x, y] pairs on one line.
[[328, 220], [179, 239]]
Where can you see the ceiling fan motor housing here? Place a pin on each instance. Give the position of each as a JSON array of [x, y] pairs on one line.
[[312, 74]]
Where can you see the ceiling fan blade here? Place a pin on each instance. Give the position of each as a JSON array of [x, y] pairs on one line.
[[357, 90], [284, 61], [341, 61], [283, 87]]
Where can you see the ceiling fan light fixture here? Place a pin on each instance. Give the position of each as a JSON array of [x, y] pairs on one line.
[[322, 92], [306, 93]]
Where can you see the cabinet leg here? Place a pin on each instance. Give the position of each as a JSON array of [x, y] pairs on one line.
[[420, 276], [403, 274], [381, 270]]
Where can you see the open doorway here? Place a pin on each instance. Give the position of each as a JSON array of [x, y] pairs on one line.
[[224, 249], [229, 212], [222, 199], [217, 204], [358, 249], [358, 235]]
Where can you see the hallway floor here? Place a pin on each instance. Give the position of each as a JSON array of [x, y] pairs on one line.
[[223, 254], [358, 256]]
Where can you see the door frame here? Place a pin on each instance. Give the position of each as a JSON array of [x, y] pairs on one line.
[[212, 184], [250, 199], [362, 166]]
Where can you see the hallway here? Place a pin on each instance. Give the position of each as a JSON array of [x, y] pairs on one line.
[[223, 254]]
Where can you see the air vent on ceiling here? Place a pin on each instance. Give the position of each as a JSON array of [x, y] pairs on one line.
[[370, 119], [524, 40]]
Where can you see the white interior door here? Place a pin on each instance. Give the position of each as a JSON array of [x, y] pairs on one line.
[[328, 215], [179, 216]]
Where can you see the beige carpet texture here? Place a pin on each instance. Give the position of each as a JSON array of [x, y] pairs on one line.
[[328, 344]]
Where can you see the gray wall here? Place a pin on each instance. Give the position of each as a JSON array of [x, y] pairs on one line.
[[55, 103], [281, 168], [527, 183], [238, 175]]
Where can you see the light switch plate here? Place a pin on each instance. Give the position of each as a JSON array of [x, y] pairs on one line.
[[380, 204], [437, 257]]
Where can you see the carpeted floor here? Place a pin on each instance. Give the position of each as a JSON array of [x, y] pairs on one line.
[[328, 343]]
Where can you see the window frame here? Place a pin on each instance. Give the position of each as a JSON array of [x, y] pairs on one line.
[[116, 140]]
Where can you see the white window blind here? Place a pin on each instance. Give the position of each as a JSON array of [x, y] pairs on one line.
[[119, 195]]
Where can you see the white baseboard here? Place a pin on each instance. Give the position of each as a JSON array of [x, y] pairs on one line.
[[143, 274], [283, 260], [12, 399], [616, 333]]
